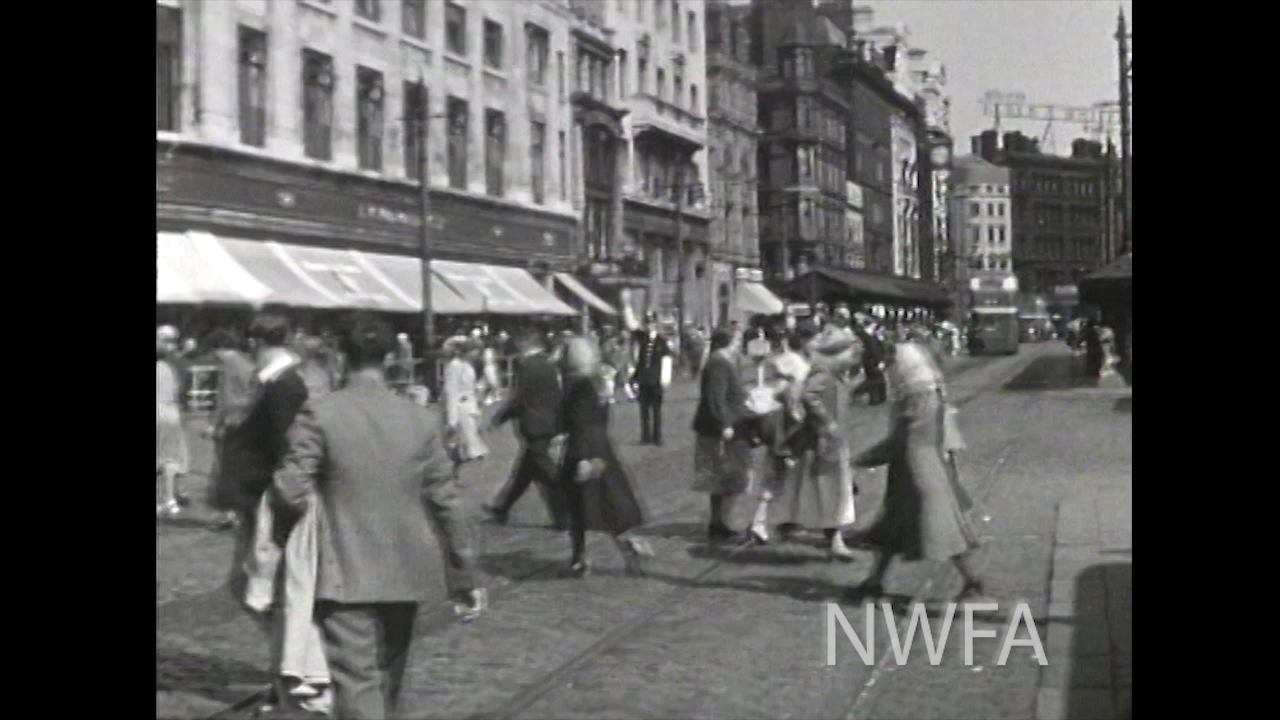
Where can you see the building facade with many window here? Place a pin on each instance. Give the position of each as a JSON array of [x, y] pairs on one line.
[[982, 219], [804, 110], [1057, 210], [661, 75], [304, 121]]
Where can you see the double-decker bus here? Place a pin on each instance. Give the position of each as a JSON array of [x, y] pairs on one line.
[[993, 313]]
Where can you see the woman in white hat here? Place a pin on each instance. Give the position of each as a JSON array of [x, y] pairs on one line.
[[923, 516]]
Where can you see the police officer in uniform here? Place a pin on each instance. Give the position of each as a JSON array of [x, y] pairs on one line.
[[651, 348]]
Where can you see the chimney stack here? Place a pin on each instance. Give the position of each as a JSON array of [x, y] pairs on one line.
[[989, 145]]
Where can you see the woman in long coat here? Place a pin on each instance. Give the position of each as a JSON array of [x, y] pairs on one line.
[[923, 516], [597, 489], [823, 484]]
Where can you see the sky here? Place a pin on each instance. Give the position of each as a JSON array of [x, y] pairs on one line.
[[1059, 52]]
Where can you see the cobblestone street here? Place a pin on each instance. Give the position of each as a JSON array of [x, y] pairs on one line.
[[733, 632]]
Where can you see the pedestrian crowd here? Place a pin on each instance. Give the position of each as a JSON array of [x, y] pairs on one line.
[[343, 492]]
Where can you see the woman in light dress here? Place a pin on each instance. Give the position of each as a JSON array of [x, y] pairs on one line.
[[171, 442], [461, 401], [924, 515], [817, 489], [824, 483]]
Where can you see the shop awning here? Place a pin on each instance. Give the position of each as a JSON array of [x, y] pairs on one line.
[[193, 268], [405, 273], [1121, 269], [196, 268], [500, 290], [1110, 285], [312, 277], [922, 292], [571, 284], [827, 282], [756, 299], [831, 283]]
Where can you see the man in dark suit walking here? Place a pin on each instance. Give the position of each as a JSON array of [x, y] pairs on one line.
[[378, 466], [651, 349], [535, 406]]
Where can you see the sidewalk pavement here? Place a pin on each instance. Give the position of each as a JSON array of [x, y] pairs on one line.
[[1091, 609]]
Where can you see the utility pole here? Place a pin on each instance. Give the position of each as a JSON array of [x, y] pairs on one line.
[[1104, 201], [424, 212], [1126, 132], [680, 253]]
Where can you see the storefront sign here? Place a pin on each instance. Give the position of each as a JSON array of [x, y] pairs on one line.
[[350, 204]]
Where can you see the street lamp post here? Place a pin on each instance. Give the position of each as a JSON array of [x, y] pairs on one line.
[[680, 254]]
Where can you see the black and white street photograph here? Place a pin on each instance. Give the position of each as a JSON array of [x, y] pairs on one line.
[[644, 359]]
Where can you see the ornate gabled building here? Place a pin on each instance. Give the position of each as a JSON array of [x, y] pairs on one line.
[[803, 108]]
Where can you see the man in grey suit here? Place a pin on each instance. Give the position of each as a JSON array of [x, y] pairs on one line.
[[377, 465]]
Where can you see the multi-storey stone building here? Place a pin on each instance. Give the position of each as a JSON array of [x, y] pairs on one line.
[[731, 157], [296, 120], [660, 60], [1057, 210]]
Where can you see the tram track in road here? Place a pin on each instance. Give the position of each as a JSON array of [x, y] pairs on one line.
[[437, 619], [637, 624], [982, 493]]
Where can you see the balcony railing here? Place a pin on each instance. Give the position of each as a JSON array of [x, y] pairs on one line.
[[616, 266], [653, 110]]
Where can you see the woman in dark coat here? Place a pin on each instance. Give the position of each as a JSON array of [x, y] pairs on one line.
[[924, 508], [597, 490]]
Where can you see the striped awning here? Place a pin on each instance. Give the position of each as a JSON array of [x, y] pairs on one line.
[[756, 299], [199, 268], [571, 284]]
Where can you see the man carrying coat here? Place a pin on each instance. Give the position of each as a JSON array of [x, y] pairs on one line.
[[378, 466]]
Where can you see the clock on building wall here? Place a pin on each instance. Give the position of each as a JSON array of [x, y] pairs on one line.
[[940, 157]]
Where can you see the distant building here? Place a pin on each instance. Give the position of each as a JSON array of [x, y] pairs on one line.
[[731, 157], [981, 216], [662, 70], [1058, 210]]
